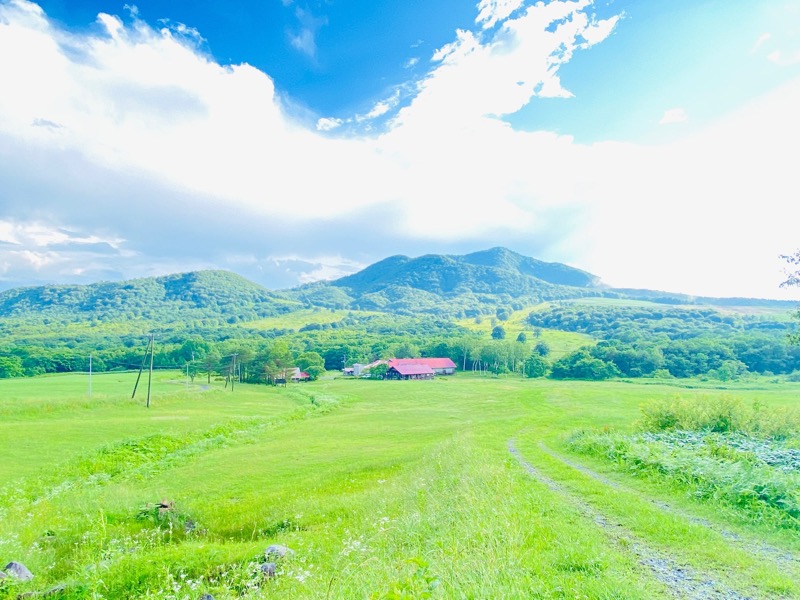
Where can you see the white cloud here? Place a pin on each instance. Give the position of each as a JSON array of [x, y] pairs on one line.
[[673, 115], [304, 42], [490, 12], [599, 31], [762, 39], [181, 29], [140, 123], [37, 235], [381, 108], [328, 123], [784, 59], [781, 45], [308, 269]]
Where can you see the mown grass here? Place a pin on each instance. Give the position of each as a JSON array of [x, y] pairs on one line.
[[382, 489]]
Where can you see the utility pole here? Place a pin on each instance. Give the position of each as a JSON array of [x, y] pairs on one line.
[[150, 348], [90, 375], [150, 376]]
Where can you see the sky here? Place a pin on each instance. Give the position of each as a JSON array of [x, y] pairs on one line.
[[653, 144]]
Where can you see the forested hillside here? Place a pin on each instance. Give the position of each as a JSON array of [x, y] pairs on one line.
[[201, 294], [457, 286], [644, 340], [494, 312]]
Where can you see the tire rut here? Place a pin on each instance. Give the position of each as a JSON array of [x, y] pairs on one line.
[[783, 558], [681, 581]]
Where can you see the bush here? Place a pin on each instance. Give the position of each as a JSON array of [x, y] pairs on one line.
[[582, 365]]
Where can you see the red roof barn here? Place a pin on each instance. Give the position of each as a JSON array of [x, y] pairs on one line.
[[440, 366], [409, 372]]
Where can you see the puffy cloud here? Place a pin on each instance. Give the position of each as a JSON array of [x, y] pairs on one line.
[[131, 152], [328, 123]]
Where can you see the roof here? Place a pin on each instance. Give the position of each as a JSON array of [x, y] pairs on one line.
[[413, 369], [433, 363], [298, 374]]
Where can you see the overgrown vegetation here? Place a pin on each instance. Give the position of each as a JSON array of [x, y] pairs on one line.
[[745, 454]]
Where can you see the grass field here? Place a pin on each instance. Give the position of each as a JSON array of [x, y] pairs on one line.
[[462, 487], [559, 342]]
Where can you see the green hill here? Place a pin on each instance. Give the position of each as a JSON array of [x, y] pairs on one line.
[[462, 286], [202, 294], [495, 271], [465, 285]]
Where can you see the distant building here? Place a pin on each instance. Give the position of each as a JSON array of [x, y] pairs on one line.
[[440, 366], [427, 366], [363, 370], [298, 375], [409, 372]]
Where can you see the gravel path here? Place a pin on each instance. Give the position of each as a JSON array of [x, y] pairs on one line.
[[682, 581], [782, 557]]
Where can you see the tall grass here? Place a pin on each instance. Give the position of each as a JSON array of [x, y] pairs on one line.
[[720, 414], [718, 448]]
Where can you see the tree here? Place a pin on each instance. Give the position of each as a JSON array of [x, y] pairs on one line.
[[378, 371], [793, 279], [406, 350], [465, 344], [11, 366], [499, 332], [311, 363], [522, 338], [535, 366], [542, 349], [582, 365], [210, 362]]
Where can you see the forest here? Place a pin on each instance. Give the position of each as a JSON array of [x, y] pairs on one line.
[[494, 312]]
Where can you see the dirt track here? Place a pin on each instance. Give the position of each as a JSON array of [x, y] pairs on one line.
[[681, 581]]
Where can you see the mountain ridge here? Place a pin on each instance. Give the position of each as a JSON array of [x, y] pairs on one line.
[[441, 284]]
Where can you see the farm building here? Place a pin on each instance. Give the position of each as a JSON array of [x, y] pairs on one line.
[[440, 366], [437, 366], [409, 372], [298, 375]]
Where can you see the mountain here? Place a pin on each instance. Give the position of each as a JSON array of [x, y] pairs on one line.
[[442, 285], [495, 271], [199, 294], [452, 285]]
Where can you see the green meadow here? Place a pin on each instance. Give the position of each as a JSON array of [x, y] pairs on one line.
[[460, 487]]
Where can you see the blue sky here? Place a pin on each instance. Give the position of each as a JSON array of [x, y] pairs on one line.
[[651, 143]]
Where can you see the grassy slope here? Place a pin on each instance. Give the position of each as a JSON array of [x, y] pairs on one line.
[[400, 485], [560, 342]]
